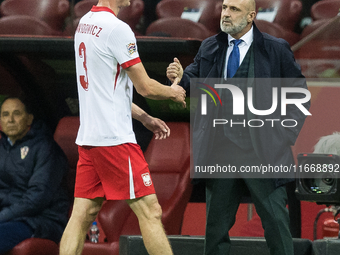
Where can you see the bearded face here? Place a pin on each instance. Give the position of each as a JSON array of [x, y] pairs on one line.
[[230, 26], [237, 17]]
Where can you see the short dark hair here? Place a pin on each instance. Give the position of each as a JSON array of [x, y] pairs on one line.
[[23, 99]]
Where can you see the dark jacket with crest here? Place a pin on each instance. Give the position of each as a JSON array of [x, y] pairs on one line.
[[32, 189]]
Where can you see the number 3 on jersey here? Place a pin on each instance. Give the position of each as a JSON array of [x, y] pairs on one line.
[[83, 78]]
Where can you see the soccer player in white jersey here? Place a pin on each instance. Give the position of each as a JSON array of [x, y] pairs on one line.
[[108, 66]]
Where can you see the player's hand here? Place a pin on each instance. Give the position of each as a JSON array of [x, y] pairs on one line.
[[179, 93], [174, 70], [157, 126]]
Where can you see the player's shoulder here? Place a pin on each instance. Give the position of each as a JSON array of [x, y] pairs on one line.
[[122, 25], [122, 29]]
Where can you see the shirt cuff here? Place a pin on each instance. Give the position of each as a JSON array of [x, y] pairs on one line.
[[131, 63]]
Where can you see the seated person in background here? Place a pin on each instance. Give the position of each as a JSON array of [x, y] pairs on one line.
[[33, 199], [329, 144]]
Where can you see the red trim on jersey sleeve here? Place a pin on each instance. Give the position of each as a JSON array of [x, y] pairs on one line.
[[131, 62], [101, 9], [117, 75]]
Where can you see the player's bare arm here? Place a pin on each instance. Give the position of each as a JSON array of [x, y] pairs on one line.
[[157, 126], [151, 88]]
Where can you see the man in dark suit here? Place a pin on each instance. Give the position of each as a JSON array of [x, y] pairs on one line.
[[260, 56]]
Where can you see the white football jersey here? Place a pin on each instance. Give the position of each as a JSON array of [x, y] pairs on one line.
[[104, 47]]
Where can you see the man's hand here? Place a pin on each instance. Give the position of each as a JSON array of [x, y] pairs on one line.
[[179, 93], [157, 126], [174, 70]]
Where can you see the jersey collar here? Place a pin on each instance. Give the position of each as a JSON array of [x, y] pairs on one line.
[[102, 9]]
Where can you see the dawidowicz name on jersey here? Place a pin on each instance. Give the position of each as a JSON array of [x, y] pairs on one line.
[[239, 105]]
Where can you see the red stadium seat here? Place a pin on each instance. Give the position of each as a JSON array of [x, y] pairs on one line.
[[288, 11], [169, 164], [331, 33], [35, 246], [83, 7], [320, 56], [132, 14], [53, 12], [277, 31], [325, 9], [323, 46], [287, 15], [25, 25], [210, 16], [178, 27], [65, 135]]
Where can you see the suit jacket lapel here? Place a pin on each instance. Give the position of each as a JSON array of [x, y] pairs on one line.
[[261, 56], [222, 39]]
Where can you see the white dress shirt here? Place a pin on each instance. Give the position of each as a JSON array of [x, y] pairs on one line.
[[244, 46]]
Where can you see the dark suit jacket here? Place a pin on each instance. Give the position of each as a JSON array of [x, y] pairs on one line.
[[273, 58]]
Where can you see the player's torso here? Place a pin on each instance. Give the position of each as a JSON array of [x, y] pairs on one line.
[[104, 89]]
